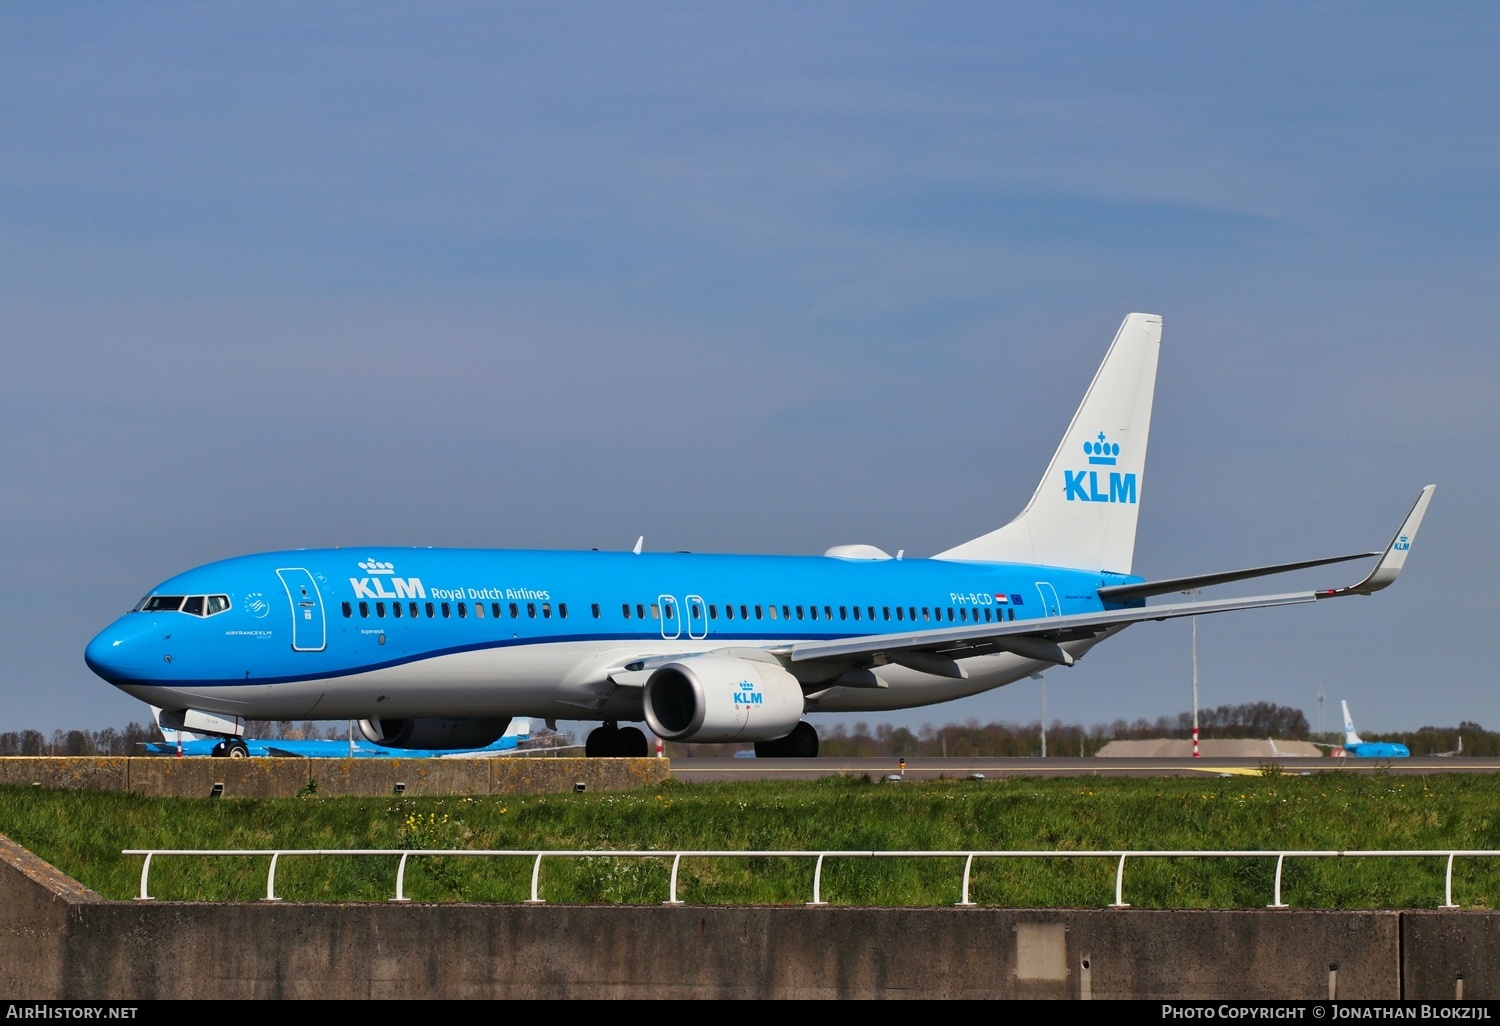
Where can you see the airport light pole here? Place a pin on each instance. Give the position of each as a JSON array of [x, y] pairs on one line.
[[1194, 594], [1044, 718]]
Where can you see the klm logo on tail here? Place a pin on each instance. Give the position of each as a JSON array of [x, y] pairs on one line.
[[1084, 485]]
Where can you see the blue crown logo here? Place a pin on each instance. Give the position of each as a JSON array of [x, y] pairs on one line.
[[1102, 453]]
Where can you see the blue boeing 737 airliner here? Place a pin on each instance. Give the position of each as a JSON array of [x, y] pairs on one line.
[[434, 648]]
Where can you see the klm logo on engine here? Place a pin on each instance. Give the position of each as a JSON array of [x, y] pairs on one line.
[[373, 587], [1100, 485], [747, 695]]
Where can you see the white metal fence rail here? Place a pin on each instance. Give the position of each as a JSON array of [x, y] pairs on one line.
[[276, 854]]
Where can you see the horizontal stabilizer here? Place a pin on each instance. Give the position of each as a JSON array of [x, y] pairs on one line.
[[1126, 592]]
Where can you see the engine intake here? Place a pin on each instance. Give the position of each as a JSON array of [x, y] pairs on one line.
[[722, 698], [427, 735]]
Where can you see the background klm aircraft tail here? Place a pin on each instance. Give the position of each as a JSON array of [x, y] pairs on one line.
[[1350, 737], [1084, 512]]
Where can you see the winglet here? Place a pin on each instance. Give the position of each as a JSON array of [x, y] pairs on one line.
[[1394, 559]]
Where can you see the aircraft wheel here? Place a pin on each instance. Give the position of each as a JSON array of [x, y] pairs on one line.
[[220, 750], [630, 743], [802, 742], [601, 742], [237, 750]]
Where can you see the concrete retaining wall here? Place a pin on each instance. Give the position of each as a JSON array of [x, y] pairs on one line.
[[280, 778], [60, 940]]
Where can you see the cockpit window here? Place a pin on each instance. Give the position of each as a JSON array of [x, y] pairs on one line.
[[192, 605]]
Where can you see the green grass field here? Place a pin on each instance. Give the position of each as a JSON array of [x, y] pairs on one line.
[[83, 833]]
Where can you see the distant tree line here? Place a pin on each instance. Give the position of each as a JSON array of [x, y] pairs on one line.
[[129, 741], [1444, 740], [1257, 719], [108, 741]]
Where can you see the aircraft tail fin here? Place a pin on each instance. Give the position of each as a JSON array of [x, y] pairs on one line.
[[1350, 737], [1083, 513]]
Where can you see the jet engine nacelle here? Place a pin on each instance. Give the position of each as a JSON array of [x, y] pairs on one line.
[[722, 698], [436, 733]]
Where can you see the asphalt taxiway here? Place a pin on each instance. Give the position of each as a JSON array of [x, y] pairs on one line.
[[699, 770]]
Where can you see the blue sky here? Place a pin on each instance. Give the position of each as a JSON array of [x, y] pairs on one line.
[[755, 278]]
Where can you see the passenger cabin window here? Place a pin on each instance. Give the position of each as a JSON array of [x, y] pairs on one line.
[[655, 612], [773, 611], [713, 611], [546, 610], [447, 610], [479, 610], [396, 610], [757, 613], [495, 610], [625, 609], [640, 611], [515, 611], [562, 610], [531, 610], [728, 612], [348, 611], [463, 610], [595, 608], [411, 609], [364, 610], [380, 609]]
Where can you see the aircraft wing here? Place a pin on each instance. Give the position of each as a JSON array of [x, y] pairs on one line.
[[935, 651], [1033, 639]]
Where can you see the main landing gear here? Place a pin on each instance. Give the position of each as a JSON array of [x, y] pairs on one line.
[[614, 741], [801, 743], [231, 750]]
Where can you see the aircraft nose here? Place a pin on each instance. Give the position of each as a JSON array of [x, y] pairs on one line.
[[115, 653]]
